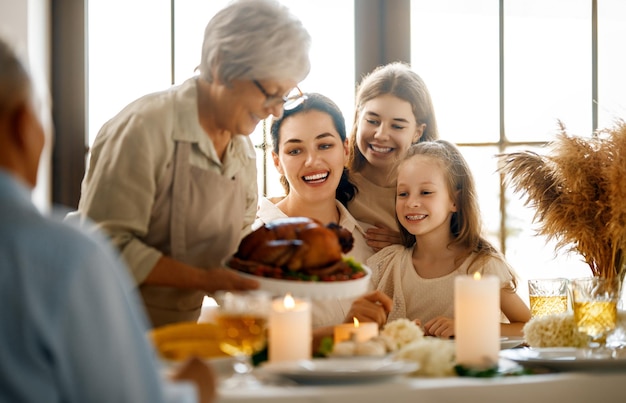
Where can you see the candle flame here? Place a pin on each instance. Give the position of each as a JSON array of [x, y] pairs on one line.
[[289, 302], [477, 276], [356, 322]]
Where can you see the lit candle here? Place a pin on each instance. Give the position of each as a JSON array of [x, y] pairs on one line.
[[290, 330], [356, 331], [477, 320]]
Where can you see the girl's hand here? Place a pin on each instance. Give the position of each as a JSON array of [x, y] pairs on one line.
[[440, 327], [378, 237]]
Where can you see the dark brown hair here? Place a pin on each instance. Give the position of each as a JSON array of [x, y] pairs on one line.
[[317, 102]]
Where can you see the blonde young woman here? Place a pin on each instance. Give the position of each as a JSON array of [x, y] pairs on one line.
[[309, 151], [393, 110], [437, 208]]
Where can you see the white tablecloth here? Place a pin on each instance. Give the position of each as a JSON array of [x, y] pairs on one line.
[[572, 387]]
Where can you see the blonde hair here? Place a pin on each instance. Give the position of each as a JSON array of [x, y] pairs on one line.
[[466, 223], [399, 80]]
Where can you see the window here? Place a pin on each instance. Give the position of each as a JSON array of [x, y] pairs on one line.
[[501, 75], [128, 55]]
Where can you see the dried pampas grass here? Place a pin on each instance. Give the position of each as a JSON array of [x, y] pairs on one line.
[[578, 189]]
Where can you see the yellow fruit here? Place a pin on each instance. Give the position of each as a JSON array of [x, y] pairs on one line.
[[183, 349], [180, 341], [184, 331]]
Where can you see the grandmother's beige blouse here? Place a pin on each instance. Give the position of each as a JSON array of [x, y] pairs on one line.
[[132, 177]]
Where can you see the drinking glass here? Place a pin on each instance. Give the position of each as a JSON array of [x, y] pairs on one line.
[[242, 318], [547, 296], [595, 310]]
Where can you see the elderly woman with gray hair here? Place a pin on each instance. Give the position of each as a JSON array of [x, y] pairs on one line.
[[172, 178]]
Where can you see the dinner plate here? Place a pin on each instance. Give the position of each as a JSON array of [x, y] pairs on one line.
[[510, 342], [507, 342], [562, 359], [313, 289], [336, 371]]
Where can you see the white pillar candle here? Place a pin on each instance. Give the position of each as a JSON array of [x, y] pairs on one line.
[[359, 332], [290, 330], [477, 320]]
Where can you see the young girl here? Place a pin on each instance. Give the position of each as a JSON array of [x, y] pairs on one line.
[[437, 208], [309, 151], [393, 111]]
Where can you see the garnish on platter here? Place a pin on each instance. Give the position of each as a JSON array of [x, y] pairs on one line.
[[404, 340], [300, 249]]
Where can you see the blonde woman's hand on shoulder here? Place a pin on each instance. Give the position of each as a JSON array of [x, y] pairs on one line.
[[380, 237]]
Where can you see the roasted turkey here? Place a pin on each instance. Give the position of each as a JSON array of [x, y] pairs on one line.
[[294, 244]]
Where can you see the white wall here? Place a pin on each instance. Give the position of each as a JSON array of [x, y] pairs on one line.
[[26, 25]]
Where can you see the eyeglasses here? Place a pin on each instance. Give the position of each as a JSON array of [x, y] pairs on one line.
[[295, 98]]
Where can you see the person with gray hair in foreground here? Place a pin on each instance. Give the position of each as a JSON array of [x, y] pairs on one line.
[[73, 328], [172, 178]]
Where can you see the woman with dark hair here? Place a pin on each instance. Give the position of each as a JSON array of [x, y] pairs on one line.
[[310, 149]]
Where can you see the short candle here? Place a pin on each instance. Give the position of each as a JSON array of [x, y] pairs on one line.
[[477, 320], [359, 332], [290, 330]]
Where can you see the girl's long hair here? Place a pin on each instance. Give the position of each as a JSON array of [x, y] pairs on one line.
[[466, 223]]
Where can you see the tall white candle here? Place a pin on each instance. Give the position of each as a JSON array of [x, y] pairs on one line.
[[290, 330], [477, 320]]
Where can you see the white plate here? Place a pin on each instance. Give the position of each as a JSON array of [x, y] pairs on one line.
[[314, 289], [562, 359], [510, 342], [507, 342], [334, 371]]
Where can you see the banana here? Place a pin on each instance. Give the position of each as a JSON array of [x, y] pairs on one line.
[[182, 349], [184, 331], [182, 340]]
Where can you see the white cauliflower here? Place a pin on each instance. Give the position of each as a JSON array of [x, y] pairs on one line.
[[436, 357], [402, 332], [556, 330], [372, 348], [344, 349], [376, 347]]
